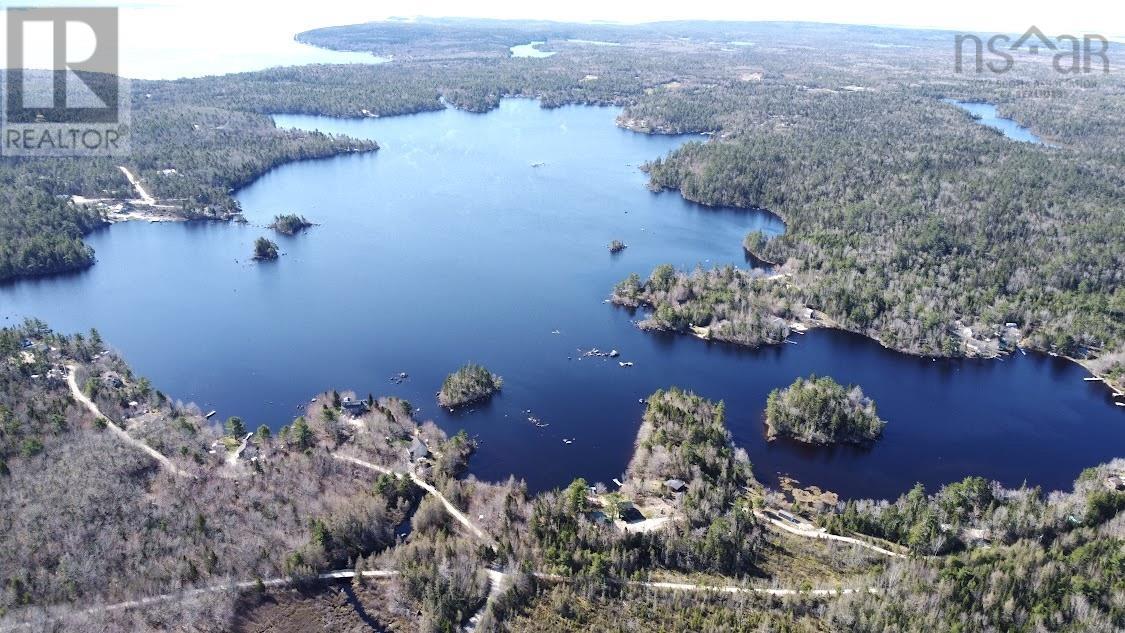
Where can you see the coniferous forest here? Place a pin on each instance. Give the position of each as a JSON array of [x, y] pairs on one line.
[[122, 508]]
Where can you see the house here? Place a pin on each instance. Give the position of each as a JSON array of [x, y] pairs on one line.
[[354, 408], [676, 485], [418, 450], [252, 452], [1113, 482]]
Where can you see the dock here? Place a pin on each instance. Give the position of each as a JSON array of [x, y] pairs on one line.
[[1092, 379]]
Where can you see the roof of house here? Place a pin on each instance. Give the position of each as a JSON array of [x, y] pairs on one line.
[[418, 449], [676, 484], [352, 406]]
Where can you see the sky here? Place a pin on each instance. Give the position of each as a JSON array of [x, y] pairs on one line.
[[170, 38], [1003, 15]]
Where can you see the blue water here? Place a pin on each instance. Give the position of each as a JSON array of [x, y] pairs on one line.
[[447, 246], [172, 39], [987, 115]]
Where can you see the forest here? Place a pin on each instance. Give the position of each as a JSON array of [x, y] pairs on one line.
[[904, 218], [86, 507], [721, 304], [39, 232], [189, 155], [901, 220]]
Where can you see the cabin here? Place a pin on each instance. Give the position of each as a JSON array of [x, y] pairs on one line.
[[778, 324], [251, 453], [354, 408], [676, 485], [418, 450]]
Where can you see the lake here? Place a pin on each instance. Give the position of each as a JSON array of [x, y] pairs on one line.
[[987, 115], [450, 245], [173, 39], [530, 50]]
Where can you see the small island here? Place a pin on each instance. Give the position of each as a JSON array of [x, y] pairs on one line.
[[821, 411], [289, 223], [264, 249], [754, 244], [468, 384], [616, 246]]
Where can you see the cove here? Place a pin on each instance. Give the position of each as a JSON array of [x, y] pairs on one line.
[[448, 245]]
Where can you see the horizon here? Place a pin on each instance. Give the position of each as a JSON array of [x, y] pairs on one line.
[[251, 36], [955, 15]]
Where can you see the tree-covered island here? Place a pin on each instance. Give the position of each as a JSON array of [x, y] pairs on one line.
[[265, 249], [468, 384], [290, 223], [822, 411]]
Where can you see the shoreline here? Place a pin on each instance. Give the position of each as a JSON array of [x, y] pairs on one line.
[[824, 322], [1085, 363], [831, 324], [192, 405]]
